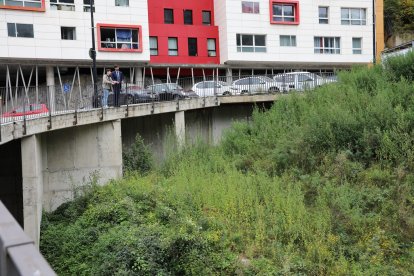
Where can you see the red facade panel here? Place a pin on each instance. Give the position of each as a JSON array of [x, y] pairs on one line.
[[181, 31]]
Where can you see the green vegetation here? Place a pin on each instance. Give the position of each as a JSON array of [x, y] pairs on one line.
[[399, 14], [321, 184]]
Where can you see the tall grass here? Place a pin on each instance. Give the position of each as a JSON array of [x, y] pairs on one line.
[[321, 184]]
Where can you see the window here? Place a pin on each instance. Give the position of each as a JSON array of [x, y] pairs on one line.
[[119, 38], [250, 7], [62, 5], [357, 45], [122, 3], [211, 47], [154, 46], [172, 46], [192, 46], [33, 5], [284, 12], [323, 15], [68, 33], [20, 30], [87, 6], [168, 16], [327, 45], [288, 40], [353, 16], [251, 43], [188, 17], [206, 17]]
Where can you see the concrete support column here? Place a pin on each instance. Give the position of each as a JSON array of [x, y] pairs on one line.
[[139, 79], [180, 128], [229, 75], [77, 156], [31, 148], [50, 82]]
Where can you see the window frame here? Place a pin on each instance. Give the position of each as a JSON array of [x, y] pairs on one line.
[[23, 8], [240, 47], [296, 10], [119, 26], [86, 7], [172, 49], [187, 12], [363, 22], [202, 17], [193, 39], [357, 51], [254, 4], [154, 49], [172, 16], [322, 50], [67, 27], [121, 5], [323, 18], [59, 5], [290, 41], [210, 50], [16, 32]]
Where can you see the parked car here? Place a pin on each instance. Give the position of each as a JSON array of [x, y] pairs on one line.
[[170, 91], [211, 88], [130, 94], [258, 84], [301, 81], [28, 109]]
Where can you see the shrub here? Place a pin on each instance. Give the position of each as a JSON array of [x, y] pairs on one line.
[[137, 157]]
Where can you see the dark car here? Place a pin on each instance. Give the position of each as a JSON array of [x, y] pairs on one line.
[[170, 91], [129, 95]]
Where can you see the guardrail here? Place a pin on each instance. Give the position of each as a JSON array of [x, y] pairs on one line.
[[26, 103], [18, 254]]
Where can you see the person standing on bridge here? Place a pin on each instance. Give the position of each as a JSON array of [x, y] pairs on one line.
[[117, 78], [106, 87]]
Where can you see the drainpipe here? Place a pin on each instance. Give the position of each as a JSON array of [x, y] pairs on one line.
[[374, 34]]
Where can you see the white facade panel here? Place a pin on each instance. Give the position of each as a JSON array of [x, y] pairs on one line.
[[237, 22], [47, 43]]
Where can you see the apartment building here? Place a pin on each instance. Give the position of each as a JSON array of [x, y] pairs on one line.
[[295, 34], [161, 34]]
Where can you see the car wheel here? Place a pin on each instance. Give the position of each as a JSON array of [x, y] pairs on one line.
[[273, 90]]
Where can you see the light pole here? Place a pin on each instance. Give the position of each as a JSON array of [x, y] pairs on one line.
[[92, 55]]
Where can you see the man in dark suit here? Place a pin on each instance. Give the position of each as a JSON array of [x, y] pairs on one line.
[[117, 77]]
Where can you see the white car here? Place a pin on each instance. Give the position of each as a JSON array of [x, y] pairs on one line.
[[301, 81], [211, 88], [258, 84]]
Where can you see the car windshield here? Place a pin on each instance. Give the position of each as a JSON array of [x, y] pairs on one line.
[[266, 79], [174, 86]]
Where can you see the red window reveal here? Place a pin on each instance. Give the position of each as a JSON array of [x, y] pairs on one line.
[[284, 12], [119, 38]]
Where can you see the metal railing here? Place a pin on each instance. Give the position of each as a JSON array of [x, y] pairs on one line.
[[26, 103], [18, 254]]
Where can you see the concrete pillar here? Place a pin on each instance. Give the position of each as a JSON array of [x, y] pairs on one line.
[[76, 156], [229, 75], [31, 148], [139, 79], [50, 82], [180, 127]]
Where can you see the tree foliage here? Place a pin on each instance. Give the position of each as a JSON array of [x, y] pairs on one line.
[[399, 14]]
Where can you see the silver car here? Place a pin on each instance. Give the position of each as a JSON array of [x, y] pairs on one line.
[[258, 84], [301, 81], [211, 88]]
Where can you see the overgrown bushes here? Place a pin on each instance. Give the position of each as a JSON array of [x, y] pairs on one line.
[[321, 184]]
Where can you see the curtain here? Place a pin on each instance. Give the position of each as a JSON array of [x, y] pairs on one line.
[[123, 35]]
